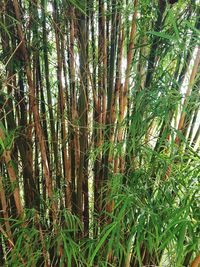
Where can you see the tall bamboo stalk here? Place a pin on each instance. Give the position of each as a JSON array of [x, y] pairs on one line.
[[35, 109]]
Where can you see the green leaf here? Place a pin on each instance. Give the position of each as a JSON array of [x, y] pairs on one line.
[[172, 19], [162, 35], [180, 243], [80, 5], [101, 241]]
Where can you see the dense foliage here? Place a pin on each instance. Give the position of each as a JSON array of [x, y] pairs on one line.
[[99, 132]]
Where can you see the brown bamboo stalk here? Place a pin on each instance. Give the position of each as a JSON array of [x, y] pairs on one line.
[[124, 90], [62, 109], [124, 103], [13, 177], [107, 159], [67, 103], [188, 92], [185, 103], [196, 262], [34, 106], [9, 44], [130, 56], [99, 114], [86, 218], [54, 138], [73, 145], [5, 209], [83, 111], [119, 89]]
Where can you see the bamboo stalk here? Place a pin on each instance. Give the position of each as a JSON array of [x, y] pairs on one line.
[[196, 262], [5, 209], [62, 110], [188, 92], [34, 106], [83, 113], [183, 113], [49, 96], [13, 178]]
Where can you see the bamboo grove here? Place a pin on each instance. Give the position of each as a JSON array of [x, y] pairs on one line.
[[99, 132]]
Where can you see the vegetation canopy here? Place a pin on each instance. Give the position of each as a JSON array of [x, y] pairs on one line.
[[99, 133]]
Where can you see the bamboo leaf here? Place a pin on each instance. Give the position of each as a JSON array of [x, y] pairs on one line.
[[101, 241], [162, 35]]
